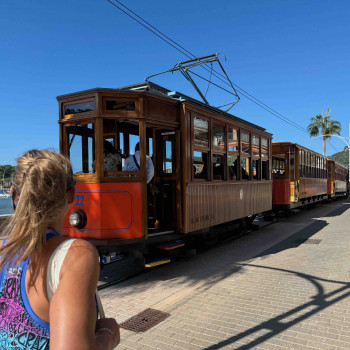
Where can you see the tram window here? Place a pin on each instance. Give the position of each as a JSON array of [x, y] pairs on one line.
[[232, 140], [245, 168], [133, 140], [256, 146], [279, 165], [120, 105], [121, 147], [79, 108], [121, 142], [219, 137], [265, 175], [200, 165], [232, 162], [264, 148], [110, 140], [245, 139], [218, 167], [81, 142], [201, 133], [167, 156], [256, 169], [291, 161], [150, 147], [308, 167]]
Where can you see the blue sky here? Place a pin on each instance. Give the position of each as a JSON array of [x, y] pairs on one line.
[[292, 55]]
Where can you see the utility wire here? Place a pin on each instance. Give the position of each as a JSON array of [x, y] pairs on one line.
[[188, 54], [212, 71]]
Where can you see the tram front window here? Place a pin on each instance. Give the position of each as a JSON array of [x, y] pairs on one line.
[[81, 147]]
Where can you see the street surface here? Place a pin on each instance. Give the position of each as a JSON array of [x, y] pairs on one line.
[[270, 289]]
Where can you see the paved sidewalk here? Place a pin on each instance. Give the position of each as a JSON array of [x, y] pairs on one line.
[[267, 290]]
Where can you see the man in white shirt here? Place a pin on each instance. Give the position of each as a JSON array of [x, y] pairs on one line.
[[132, 163]]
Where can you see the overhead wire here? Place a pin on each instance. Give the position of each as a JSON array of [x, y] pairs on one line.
[[188, 54], [212, 71]]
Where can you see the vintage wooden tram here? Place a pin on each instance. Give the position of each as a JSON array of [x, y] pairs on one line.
[[210, 167], [302, 176], [338, 179]]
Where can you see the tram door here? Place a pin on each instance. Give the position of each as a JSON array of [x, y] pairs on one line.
[[166, 178]]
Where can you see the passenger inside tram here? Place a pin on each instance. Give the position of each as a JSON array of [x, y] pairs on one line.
[[132, 163], [111, 158]]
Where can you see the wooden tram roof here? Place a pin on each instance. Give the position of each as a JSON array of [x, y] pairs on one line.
[[161, 92], [287, 143]]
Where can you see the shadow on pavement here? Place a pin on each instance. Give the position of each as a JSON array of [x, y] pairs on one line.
[[280, 323], [297, 239], [219, 262]]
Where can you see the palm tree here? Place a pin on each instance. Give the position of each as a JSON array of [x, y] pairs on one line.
[[328, 127]]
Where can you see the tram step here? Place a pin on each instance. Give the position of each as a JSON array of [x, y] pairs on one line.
[[171, 245], [156, 261]]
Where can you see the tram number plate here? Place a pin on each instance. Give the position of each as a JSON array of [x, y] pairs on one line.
[[202, 218], [80, 201]]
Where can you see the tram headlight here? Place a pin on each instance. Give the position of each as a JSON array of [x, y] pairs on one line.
[[78, 218]]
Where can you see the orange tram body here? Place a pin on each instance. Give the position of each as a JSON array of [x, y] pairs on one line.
[[210, 168]]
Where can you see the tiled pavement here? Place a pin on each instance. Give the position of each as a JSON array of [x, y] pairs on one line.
[[266, 290]]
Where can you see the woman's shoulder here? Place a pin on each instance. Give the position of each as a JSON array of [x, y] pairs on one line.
[[82, 255]]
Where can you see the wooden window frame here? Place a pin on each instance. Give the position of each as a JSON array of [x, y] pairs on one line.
[[121, 113], [196, 147], [213, 148], [79, 115], [66, 148], [244, 155]]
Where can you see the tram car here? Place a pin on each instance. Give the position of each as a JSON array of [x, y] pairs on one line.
[[300, 176], [338, 179], [210, 167]]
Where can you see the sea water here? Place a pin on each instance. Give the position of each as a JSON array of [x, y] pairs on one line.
[[5, 205]]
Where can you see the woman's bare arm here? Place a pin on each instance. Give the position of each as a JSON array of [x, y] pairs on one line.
[[73, 308]]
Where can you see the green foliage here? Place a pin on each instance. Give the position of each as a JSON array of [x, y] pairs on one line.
[[325, 126], [341, 157], [7, 171]]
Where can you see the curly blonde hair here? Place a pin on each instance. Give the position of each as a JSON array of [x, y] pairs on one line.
[[41, 182]]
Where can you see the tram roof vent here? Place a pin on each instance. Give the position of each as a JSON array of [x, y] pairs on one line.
[[177, 96]]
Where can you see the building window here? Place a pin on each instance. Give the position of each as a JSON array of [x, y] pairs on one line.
[[200, 165]]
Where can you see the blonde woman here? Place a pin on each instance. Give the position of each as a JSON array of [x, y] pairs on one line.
[[33, 313]]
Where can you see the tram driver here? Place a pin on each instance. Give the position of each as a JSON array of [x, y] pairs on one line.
[[132, 163]]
